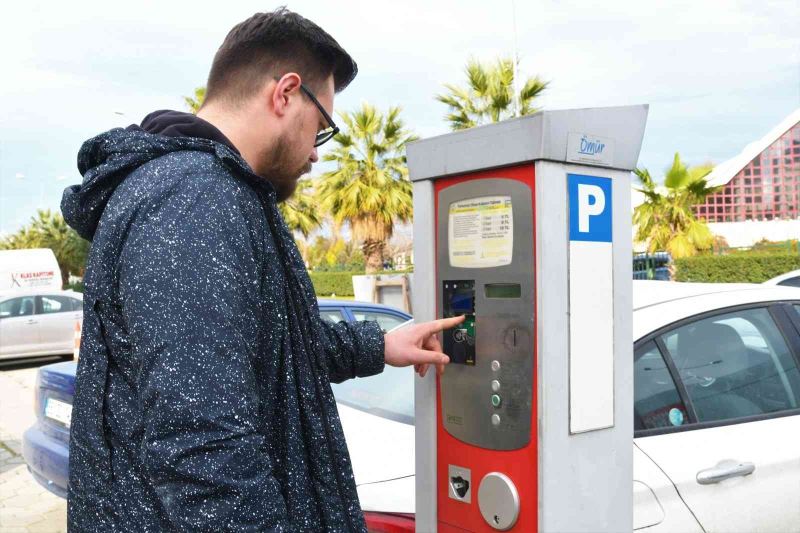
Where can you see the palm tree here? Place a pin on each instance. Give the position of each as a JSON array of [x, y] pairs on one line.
[[369, 190], [666, 220], [49, 230], [300, 210], [194, 102], [489, 95], [23, 239]]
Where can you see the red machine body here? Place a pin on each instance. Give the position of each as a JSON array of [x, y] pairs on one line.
[[520, 465]]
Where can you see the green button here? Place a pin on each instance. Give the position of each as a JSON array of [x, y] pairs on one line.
[[496, 400]]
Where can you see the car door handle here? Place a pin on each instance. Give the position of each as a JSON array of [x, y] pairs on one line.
[[725, 470], [31, 321]]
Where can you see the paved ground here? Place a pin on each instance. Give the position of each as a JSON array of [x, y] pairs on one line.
[[24, 505]]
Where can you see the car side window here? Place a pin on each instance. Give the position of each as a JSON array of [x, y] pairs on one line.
[[657, 403], [18, 307], [791, 282], [386, 321], [735, 365], [77, 305], [56, 304], [7, 308], [334, 316]]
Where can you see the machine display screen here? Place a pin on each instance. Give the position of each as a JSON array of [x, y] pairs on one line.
[[462, 302], [503, 290]]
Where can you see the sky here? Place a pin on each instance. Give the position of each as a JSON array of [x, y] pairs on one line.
[[717, 75]]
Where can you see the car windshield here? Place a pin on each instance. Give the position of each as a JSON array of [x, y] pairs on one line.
[[389, 394]]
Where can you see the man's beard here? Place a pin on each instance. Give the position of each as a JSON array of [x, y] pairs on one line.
[[280, 171]]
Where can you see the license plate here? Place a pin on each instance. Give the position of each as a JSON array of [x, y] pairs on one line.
[[58, 411]]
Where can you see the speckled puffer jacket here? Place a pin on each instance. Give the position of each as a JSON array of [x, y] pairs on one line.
[[203, 398]]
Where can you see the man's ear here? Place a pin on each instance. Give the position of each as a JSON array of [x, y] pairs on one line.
[[285, 89]]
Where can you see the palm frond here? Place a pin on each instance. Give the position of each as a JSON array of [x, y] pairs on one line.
[[488, 95], [676, 176]]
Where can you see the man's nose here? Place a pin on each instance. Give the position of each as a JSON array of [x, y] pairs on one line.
[[314, 157]]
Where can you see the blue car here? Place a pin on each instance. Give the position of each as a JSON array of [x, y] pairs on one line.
[[45, 445]]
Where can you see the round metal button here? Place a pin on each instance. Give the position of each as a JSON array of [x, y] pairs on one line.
[[495, 365], [495, 385], [495, 420], [496, 400]]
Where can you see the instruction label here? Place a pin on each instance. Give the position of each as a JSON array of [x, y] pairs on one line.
[[481, 232]]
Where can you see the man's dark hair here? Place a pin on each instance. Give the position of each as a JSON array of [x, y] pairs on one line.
[[271, 44]]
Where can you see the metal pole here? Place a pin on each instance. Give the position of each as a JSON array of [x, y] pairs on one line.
[[516, 59]]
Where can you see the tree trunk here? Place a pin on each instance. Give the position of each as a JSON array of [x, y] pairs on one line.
[[373, 255], [336, 230]]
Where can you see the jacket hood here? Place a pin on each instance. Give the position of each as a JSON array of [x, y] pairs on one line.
[[105, 160], [180, 124]]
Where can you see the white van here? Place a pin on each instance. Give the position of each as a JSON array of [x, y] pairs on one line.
[[35, 268]]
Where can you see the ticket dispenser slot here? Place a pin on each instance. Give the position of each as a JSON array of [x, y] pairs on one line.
[[486, 272]]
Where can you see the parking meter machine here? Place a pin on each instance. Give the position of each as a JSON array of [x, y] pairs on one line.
[[524, 227]]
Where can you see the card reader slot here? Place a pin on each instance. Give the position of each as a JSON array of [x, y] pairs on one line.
[[459, 342]]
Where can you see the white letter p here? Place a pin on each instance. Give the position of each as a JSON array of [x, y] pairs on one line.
[[591, 202]]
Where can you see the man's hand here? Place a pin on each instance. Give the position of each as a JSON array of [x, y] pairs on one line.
[[417, 345]]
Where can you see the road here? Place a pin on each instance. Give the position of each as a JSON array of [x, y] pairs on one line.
[[25, 506]]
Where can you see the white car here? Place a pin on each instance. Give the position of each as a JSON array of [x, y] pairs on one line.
[[790, 279], [716, 446], [38, 322]]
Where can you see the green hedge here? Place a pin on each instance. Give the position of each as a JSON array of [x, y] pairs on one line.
[[338, 283], [735, 268]]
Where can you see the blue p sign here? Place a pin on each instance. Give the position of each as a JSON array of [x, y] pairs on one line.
[[589, 208]]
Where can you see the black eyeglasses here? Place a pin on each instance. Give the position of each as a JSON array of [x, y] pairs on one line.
[[332, 129]]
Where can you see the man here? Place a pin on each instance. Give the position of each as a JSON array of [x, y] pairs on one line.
[[203, 398]]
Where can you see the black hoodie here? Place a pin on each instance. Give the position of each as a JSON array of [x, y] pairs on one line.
[[203, 399], [180, 124]]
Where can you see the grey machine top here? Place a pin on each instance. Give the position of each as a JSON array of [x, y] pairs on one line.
[[609, 137]]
